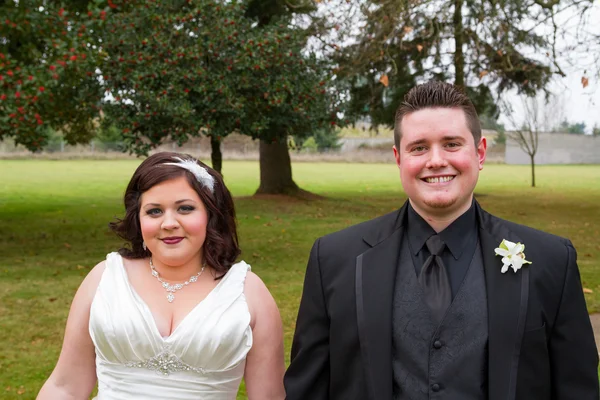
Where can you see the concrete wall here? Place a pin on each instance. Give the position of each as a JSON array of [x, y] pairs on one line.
[[557, 148], [352, 143]]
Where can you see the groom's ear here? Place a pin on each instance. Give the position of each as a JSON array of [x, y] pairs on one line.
[[481, 151], [396, 155]]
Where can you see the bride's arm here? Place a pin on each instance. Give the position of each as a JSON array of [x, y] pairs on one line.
[[74, 376], [265, 364]]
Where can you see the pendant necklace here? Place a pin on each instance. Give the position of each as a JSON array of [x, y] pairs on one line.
[[172, 288]]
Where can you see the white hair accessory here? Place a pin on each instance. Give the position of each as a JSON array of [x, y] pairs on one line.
[[199, 172]]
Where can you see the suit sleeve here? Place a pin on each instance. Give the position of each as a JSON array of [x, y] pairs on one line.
[[573, 352], [308, 374]]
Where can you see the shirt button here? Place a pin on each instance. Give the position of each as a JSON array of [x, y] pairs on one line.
[[437, 344], [435, 387]]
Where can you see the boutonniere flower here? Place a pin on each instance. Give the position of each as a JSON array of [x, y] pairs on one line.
[[512, 255]]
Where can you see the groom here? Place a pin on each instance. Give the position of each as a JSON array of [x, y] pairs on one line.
[[417, 304]]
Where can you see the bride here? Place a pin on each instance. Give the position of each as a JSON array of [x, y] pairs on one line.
[[172, 316]]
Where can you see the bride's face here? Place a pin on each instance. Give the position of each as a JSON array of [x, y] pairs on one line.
[[173, 222]]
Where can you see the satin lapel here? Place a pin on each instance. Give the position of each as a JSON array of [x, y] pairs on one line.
[[507, 297], [375, 278]]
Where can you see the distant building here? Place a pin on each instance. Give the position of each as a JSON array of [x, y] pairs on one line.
[[557, 148]]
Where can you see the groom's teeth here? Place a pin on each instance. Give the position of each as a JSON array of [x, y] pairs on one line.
[[439, 179]]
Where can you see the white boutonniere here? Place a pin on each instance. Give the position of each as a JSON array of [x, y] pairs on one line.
[[512, 255]]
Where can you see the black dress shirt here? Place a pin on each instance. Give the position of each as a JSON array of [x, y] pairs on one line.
[[460, 238]]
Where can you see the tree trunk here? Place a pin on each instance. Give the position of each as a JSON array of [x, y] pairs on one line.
[[276, 169], [216, 157], [531, 156], [459, 58]]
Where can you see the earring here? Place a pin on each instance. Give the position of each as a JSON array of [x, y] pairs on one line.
[[144, 246]]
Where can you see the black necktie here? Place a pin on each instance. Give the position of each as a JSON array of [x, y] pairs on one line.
[[437, 292]]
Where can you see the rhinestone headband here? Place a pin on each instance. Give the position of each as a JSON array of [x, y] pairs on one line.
[[198, 171]]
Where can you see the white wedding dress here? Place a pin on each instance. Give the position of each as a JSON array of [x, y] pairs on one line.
[[202, 359]]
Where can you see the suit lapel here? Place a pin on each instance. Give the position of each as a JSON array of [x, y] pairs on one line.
[[375, 277], [507, 297]]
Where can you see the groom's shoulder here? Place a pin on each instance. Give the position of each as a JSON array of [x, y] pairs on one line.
[[526, 232], [354, 234]]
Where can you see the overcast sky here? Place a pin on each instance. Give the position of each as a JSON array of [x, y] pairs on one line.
[[579, 104]]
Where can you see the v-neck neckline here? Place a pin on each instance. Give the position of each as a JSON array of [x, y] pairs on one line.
[[149, 311]]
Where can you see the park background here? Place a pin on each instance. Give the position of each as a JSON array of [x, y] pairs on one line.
[[293, 101]]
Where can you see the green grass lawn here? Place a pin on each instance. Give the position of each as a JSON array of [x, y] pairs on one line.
[[54, 216]]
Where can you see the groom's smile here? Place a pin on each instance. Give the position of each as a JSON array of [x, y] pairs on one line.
[[438, 179]]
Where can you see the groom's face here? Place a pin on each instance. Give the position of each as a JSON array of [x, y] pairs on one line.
[[439, 162]]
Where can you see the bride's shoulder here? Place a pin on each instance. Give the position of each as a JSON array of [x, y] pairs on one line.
[[253, 285], [87, 289], [92, 280], [260, 301]]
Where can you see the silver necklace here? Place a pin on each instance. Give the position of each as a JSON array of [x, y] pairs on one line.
[[172, 288]]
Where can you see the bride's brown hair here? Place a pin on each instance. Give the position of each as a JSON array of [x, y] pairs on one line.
[[221, 247]]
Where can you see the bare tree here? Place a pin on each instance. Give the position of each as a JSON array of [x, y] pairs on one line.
[[538, 114]]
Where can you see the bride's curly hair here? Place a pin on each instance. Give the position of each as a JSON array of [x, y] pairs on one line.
[[221, 247]]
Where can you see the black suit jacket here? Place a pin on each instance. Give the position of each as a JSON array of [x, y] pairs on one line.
[[541, 344]]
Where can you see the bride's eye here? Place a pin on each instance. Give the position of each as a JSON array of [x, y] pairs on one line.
[[186, 208], [154, 211]]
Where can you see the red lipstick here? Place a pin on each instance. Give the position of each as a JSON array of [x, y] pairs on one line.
[[172, 240]]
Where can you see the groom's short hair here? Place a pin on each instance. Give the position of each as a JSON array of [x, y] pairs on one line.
[[437, 94]]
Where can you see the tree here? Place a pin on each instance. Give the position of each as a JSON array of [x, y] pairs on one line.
[[596, 130], [485, 47], [577, 128], [164, 70], [179, 69], [47, 74], [491, 123], [275, 163], [539, 114]]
